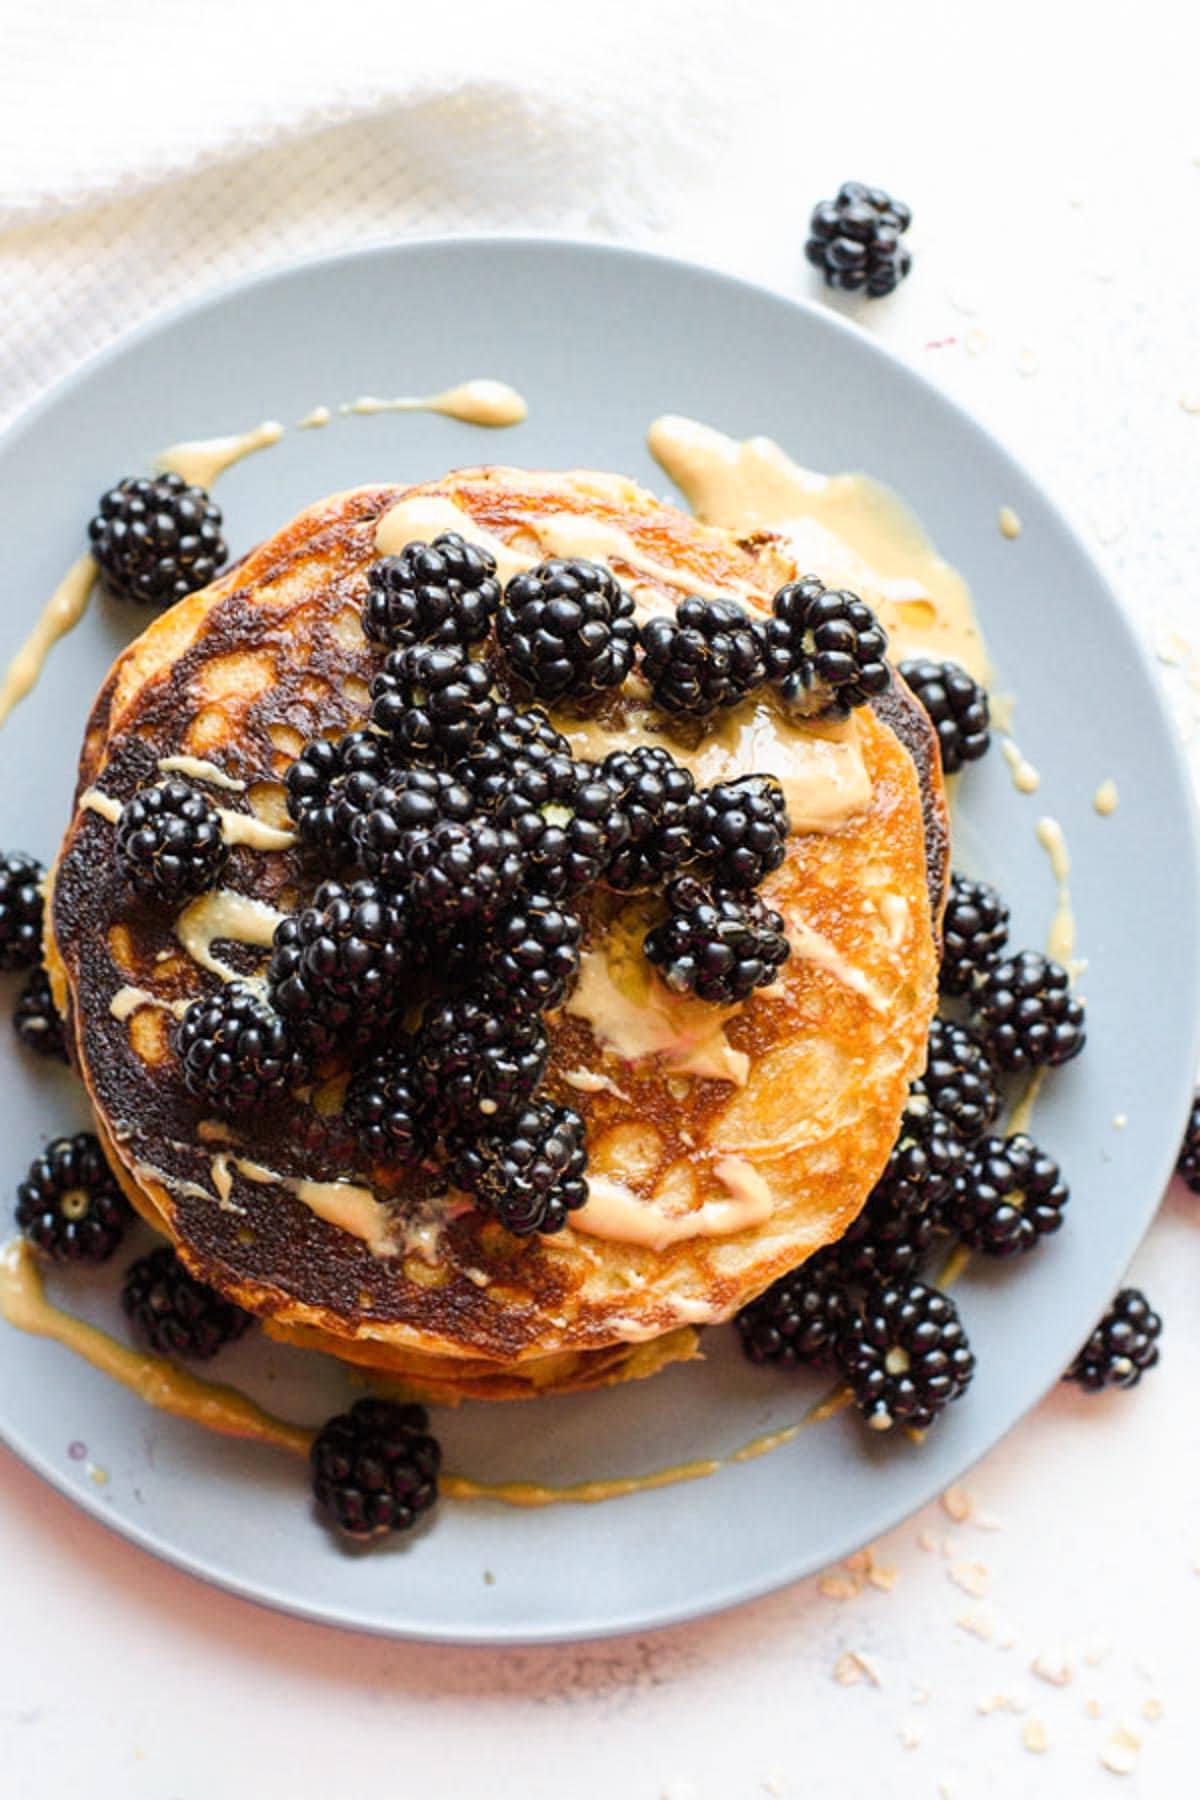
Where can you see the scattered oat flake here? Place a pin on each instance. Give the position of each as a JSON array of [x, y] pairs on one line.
[[859, 1562], [986, 1521], [852, 1667], [1033, 1736], [1152, 1709], [1054, 1666], [1120, 1753], [958, 1503], [884, 1576], [972, 1577], [1093, 1709], [1173, 650], [928, 1541], [1009, 523], [979, 1623], [838, 1587], [1190, 400], [910, 1737]]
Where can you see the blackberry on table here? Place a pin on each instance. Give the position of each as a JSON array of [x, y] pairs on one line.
[[476, 1060], [35, 1018], [528, 1172], [1122, 1347], [568, 821], [433, 700], [1007, 1197], [707, 654], [1026, 1013], [798, 1319], [567, 628], [331, 783], [666, 816], [974, 934], [513, 741], [409, 801], [21, 880], [905, 1355], [826, 650], [375, 1468], [235, 1050], [440, 593], [176, 1314], [532, 951], [384, 1107], [463, 873], [959, 1079], [957, 707], [743, 834], [855, 240], [719, 946], [156, 539], [169, 842], [336, 965], [1189, 1154], [70, 1204], [902, 1213]]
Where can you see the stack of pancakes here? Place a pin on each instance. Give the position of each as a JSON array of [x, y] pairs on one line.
[[726, 1145]]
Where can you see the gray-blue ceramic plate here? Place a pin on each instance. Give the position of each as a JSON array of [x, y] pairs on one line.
[[601, 340]]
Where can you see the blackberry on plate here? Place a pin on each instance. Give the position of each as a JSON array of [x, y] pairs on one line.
[[433, 699], [336, 965], [70, 1204], [1007, 1196], [855, 240], [826, 650], [716, 945], [155, 540], [463, 873], [666, 815], [477, 1060], [959, 1079], [905, 1355], [375, 1468], [440, 593], [567, 627], [1026, 1013], [330, 785], [974, 934], [35, 1018], [175, 1313], [21, 880], [1189, 1154], [384, 1107], [235, 1050], [1122, 1347], [897, 1225], [511, 743], [529, 1172], [169, 841], [409, 801], [743, 834], [568, 821], [532, 951], [707, 654], [798, 1319], [957, 707]]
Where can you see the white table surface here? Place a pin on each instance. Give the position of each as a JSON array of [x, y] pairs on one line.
[[1054, 168]]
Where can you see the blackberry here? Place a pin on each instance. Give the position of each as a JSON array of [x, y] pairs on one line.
[[35, 1018], [511, 743], [169, 842], [666, 815], [529, 1173], [21, 880], [532, 952], [155, 540], [974, 934], [718, 946], [384, 1108], [743, 834], [709, 654], [568, 821], [440, 593], [957, 707], [1189, 1154], [567, 627], [897, 1225], [1026, 1013], [1122, 1347], [905, 1355], [235, 1050], [855, 240], [959, 1078], [1007, 1197], [798, 1319], [433, 700], [476, 1060], [463, 873], [409, 801], [330, 785], [826, 650], [175, 1313], [69, 1203], [375, 1468], [336, 966]]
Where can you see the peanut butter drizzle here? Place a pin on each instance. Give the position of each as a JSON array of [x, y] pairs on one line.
[[482, 401], [61, 613], [201, 460]]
